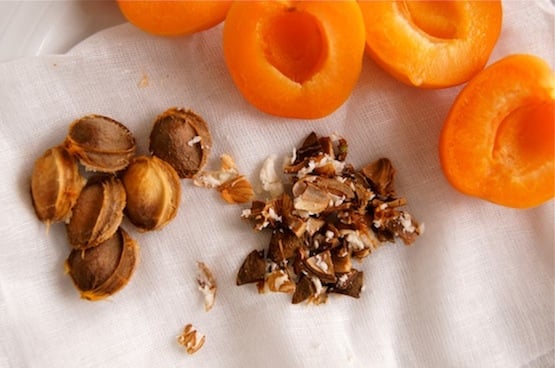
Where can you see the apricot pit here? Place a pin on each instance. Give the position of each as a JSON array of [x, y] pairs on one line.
[[181, 138], [103, 270], [153, 192], [100, 143], [98, 212], [55, 185]]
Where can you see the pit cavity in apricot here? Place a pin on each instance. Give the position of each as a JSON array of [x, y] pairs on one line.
[[298, 59], [431, 44], [497, 142]]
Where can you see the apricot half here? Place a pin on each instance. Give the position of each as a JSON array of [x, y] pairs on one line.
[[497, 142], [175, 17], [431, 44], [298, 59]]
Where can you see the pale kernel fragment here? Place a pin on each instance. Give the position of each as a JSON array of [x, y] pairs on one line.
[[236, 190], [213, 179], [269, 177], [191, 339], [196, 139], [207, 285], [233, 187], [143, 82]]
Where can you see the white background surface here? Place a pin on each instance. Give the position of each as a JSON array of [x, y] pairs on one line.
[[476, 290], [48, 27]]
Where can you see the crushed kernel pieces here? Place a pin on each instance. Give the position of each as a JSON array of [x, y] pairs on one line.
[[331, 214]]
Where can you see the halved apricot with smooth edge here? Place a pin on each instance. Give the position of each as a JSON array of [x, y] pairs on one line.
[[298, 59], [174, 17], [497, 142], [431, 44]]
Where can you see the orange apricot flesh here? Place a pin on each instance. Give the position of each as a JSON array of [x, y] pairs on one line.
[[298, 59], [497, 142], [175, 17], [431, 44]]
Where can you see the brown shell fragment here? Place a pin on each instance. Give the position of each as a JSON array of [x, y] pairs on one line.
[[98, 212], [304, 290], [321, 265], [253, 268], [350, 283], [101, 143], [55, 185], [103, 270], [153, 192], [283, 245], [381, 175], [181, 138], [341, 257], [391, 223], [310, 147], [315, 194], [309, 197]]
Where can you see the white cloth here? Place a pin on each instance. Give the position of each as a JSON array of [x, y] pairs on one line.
[[475, 290]]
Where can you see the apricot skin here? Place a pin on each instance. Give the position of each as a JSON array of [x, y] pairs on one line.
[[175, 17], [497, 142], [297, 59], [431, 44]]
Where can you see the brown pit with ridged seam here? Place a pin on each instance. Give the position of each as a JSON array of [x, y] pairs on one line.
[[153, 192], [100, 143], [101, 271], [98, 212], [181, 138], [55, 185]]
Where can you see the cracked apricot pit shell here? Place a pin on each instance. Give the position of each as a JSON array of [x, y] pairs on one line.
[[298, 59], [431, 44]]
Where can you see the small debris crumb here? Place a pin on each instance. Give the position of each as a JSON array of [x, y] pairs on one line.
[[196, 139], [191, 339], [207, 285], [143, 82]]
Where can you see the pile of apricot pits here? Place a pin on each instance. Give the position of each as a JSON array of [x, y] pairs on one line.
[[303, 59]]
